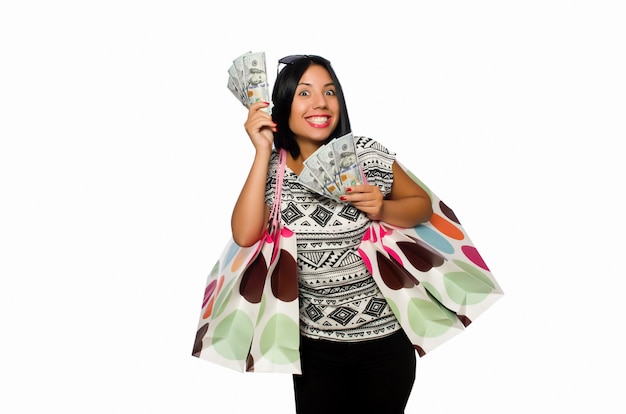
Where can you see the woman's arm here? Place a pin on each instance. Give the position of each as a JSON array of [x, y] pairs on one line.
[[407, 206], [250, 214]]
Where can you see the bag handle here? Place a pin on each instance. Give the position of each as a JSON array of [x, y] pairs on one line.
[[363, 177], [280, 174]]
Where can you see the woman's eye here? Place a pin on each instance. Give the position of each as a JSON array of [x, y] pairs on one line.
[[304, 93], [330, 93]]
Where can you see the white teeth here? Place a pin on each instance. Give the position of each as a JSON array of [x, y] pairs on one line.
[[317, 119]]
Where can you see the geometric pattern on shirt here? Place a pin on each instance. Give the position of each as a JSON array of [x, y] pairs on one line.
[[342, 315], [321, 215], [291, 213], [337, 290], [347, 259], [314, 312], [375, 307], [349, 212], [331, 238], [373, 153], [379, 327], [314, 259]]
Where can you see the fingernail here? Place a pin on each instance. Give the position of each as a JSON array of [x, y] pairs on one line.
[[342, 198], [349, 189]]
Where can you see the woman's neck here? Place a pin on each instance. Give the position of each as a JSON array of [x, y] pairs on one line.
[[306, 149]]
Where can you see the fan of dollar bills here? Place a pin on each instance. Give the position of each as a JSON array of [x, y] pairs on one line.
[[332, 168], [247, 78]]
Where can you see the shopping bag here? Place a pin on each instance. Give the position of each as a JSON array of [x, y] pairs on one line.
[[276, 342], [432, 275], [249, 319]]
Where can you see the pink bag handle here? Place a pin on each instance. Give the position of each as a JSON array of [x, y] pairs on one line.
[[363, 177], [280, 174]]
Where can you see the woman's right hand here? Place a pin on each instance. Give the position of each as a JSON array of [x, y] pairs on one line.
[[260, 127]]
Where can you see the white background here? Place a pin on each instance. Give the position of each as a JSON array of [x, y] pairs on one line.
[[122, 153]]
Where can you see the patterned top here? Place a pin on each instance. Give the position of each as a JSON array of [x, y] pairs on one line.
[[339, 299]]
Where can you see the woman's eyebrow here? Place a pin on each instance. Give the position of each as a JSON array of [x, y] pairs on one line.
[[309, 84]]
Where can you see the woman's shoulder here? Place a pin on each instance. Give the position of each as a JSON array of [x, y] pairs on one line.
[[376, 162], [368, 144]]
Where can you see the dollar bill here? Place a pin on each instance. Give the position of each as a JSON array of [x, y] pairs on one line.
[[333, 168], [238, 68], [307, 179], [247, 79], [327, 181], [234, 86], [255, 77], [326, 158], [347, 164]]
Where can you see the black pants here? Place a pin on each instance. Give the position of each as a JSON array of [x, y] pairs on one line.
[[355, 377]]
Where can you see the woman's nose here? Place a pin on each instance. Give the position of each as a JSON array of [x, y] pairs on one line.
[[319, 101]]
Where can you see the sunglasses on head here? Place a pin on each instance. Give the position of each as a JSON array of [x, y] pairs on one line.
[[291, 59]]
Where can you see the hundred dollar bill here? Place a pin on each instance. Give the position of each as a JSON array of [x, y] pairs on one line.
[[327, 181], [247, 79], [255, 77], [239, 69], [236, 70], [234, 86], [307, 179], [326, 157], [347, 164]]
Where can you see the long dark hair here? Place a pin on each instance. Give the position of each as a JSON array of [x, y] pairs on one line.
[[282, 97]]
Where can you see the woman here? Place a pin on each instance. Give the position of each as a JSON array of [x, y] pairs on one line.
[[354, 354]]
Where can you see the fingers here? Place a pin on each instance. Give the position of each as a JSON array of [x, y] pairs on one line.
[[373, 207], [363, 192], [255, 111], [362, 188], [256, 124], [364, 196], [258, 118], [259, 125], [258, 105]]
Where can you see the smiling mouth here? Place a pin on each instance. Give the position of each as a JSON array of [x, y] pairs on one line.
[[318, 121]]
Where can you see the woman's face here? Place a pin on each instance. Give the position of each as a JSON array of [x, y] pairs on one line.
[[315, 107]]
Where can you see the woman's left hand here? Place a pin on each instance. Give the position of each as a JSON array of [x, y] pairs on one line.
[[367, 198]]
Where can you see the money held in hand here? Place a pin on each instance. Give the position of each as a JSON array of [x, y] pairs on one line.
[[247, 79], [333, 168]]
